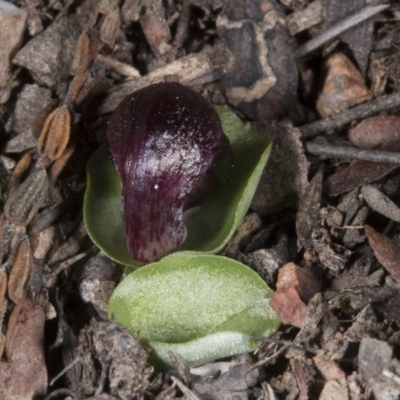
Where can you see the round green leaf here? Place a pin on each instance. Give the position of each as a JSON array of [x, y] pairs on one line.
[[211, 227], [202, 307]]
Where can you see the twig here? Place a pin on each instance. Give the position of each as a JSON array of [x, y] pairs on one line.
[[49, 281], [286, 344], [64, 370], [183, 25], [188, 69], [353, 153], [186, 391], [118, 66], [328, 125], [45, 219], [339, 28]]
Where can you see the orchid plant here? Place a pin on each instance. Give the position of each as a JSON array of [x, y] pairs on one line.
[[179, 181]]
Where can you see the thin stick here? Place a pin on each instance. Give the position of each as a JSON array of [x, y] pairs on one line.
[[286, 343], [329, 125], [339, 28], [49, 280], [353, 153]]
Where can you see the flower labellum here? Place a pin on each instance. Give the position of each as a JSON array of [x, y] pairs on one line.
[[169, 150]]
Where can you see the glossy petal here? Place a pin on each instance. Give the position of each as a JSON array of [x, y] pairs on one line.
[[220, 213], [166, 142]]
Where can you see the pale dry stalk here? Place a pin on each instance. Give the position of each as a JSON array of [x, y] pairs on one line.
[[21, 273], [19, 170], [59, 164], [3, 307]]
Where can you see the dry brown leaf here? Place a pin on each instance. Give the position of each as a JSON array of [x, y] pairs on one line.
[[385, 250], [360, 173]]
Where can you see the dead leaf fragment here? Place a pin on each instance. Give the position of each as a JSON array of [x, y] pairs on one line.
[[13, 25], [56, 47], [284, 179], [22, 206], [380, 203], [24, 376], [31, 101], [155, 27], [360, 173], [359, 37], [308, 212], [344, 87], [372, 133], [386, 251], [232, 384]]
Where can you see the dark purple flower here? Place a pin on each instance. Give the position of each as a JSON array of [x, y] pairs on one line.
[[167, 144]]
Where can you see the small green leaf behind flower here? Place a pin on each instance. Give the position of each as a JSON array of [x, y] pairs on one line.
[[218, 216], [201, 307]]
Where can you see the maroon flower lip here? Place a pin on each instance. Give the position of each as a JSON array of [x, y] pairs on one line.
[[169, 150]]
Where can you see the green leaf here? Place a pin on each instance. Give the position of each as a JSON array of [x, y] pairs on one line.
[[211, 227], [202, 307]]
